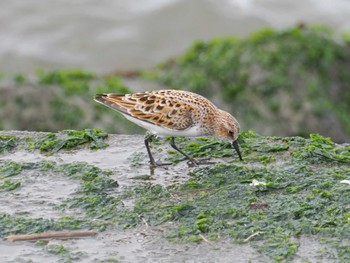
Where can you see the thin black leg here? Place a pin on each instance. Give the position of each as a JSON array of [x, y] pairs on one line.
[[151, 159], [147, 140], [172, 143]]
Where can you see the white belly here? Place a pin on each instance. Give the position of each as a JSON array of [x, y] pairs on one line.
[[155, 129]]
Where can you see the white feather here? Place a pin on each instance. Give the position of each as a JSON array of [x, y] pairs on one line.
[[158, 130]]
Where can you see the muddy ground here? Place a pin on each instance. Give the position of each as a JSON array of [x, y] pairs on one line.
[[38, 194]]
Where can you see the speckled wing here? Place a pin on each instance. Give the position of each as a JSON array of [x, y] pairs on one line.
[[155, 108]]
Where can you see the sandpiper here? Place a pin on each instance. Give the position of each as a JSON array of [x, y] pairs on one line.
[[174, 113]]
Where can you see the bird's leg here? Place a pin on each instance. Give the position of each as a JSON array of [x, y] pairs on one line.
[[151, 159], [147, 139], [172, 143]]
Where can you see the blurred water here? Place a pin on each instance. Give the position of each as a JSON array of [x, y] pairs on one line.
[[103, 35]]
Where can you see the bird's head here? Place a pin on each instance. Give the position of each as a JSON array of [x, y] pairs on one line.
[[227, 128]]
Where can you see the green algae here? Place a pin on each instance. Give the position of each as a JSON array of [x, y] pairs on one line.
[[112, 84], [73, 81], [19, 78], [94, 193], [217, 201], [273, 81], [64, 252], [9, 168], [7, 143], [93, 197], [63, 98], [321, 149], [201, 147], [56, 249], [254, 147], [61, 113], [299, 194], [296, 199], [25, 225], [344, 253], [63, 75], [268, 78], [9, 185], [69, 139]]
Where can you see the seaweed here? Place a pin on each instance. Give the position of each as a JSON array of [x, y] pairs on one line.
[[7, 143], [277, 195], [69, 139], [269, 78], [320, 149]]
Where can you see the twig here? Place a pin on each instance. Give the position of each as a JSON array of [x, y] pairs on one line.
[[203, 237], [259, 205], [47, 235], [252, 235]]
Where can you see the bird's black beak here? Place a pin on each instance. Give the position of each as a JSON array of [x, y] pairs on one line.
[[236, 146]]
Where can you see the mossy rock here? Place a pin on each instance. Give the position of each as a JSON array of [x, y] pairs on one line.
[[289, 82], [60, 99]]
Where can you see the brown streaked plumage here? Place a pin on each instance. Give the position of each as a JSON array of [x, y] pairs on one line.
[[174, 113]]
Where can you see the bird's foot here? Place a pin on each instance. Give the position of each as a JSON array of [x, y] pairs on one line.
[[159, 164], [202, 161]]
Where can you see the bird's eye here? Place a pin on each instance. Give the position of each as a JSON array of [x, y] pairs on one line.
[[230, 133]]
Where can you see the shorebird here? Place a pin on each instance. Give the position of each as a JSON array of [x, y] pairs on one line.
[[174, 113]]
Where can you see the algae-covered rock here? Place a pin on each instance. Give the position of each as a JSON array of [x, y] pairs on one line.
[[59, 99], [292, 81], [289, 82]]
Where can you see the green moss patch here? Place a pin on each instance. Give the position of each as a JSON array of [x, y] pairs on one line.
[[93, 197], [69, 139], [73, 81], [60, 99], [25, 225], [297, 193], [201, 147], [284, 79], [283, 191], [254, 147], [9, 185], [219, 201], [7, 143], [9, 168], [320, 149]]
